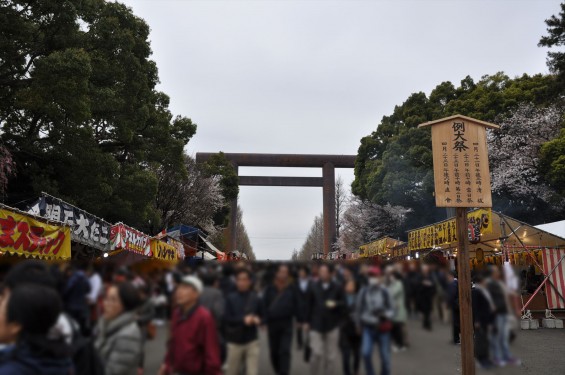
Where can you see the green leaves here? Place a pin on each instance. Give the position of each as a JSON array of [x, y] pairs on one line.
[[394, 163], [79, 110]]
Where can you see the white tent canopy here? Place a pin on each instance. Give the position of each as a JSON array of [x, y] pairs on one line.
[[557, 228]]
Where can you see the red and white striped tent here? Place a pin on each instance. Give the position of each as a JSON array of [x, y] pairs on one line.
[[554, 267]]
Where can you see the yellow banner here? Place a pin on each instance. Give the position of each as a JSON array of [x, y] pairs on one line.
[[374, 248], [163, 251], [22, 234], [445, 232]]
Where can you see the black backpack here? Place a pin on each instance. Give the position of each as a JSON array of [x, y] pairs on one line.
[[86, 359]]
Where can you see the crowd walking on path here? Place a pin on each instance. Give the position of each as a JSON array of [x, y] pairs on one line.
[[86, 319]]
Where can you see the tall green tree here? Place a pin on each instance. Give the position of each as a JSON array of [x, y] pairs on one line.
[[79, 108], [394, 164], [556, 38]]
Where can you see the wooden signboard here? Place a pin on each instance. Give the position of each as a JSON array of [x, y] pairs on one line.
[[461, 171]]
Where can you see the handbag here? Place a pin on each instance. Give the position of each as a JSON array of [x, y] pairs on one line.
[[385, 325], [151, 331]]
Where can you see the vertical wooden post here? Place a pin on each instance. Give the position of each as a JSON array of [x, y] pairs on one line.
[[232, 232], [464, 280], [328, 173]]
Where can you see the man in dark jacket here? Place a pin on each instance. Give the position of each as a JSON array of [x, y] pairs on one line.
[[241, 318], [193, 346], [303, 291], [426, 289], [213, 299], [280, 305], [500, 340], [453, 303], [75, 293], [483, 318], [325, 312]]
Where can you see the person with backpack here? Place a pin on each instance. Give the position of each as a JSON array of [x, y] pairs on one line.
[[374, 311], [118, 336], [280, 304]]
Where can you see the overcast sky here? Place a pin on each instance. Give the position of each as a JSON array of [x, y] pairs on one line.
[[315, 76]]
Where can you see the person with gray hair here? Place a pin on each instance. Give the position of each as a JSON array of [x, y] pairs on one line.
[[193, 345]]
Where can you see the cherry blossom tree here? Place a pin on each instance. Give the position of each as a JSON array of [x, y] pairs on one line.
[[514, 153]]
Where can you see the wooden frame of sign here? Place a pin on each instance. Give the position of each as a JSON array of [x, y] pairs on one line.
[[462, 180]]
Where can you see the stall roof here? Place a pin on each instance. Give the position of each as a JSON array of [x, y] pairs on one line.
[[218, 253], [557, 228]]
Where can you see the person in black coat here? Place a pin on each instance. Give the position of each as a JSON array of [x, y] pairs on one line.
[[453, 304], [280, 309], [242, 315], [483, 319], [303, 291], [349, 337], [426, 290], [325, 312]]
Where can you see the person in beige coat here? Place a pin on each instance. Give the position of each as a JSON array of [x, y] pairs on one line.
[[118, 338]]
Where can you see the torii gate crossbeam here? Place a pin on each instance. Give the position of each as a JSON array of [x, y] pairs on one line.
[[328, 163]]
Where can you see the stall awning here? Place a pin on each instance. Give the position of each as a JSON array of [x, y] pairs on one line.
[[218, 254], [486, 228], [33, 236], [557, 228]]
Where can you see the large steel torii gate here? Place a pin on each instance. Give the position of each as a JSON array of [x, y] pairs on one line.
[[328, 163]]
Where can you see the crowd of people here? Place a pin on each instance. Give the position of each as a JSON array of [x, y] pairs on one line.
[[86, 319]]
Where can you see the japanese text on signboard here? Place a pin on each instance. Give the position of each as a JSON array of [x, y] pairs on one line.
[[27, 236]]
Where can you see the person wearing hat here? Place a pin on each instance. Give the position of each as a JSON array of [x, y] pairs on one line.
[[193, 346], [118, 337], [374, 314]]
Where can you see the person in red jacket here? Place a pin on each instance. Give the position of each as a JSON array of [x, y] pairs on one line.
[[193, 347]]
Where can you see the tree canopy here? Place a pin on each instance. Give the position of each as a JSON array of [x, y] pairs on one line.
[[79, 109], [394, 164]]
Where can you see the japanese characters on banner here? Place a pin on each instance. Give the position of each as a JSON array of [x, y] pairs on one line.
[[373, 248], [461, 171], [123, 237], [445, 232], [163, 251], [25, 235], [87, 229]]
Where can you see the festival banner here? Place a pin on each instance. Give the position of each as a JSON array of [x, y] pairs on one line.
[[445, 232], [28, 236], [374, 248], [123, 237], [163, 251], [86, 228]]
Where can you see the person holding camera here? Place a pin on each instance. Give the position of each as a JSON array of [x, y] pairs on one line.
[[374, 313]]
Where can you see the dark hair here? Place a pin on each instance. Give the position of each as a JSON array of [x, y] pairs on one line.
[[328, 266], [208, 278], [245, 271], [129, 296], [35, 307], [29, 272], [305, 269]]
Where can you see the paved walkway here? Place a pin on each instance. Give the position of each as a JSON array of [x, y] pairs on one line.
[[542, 353]]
